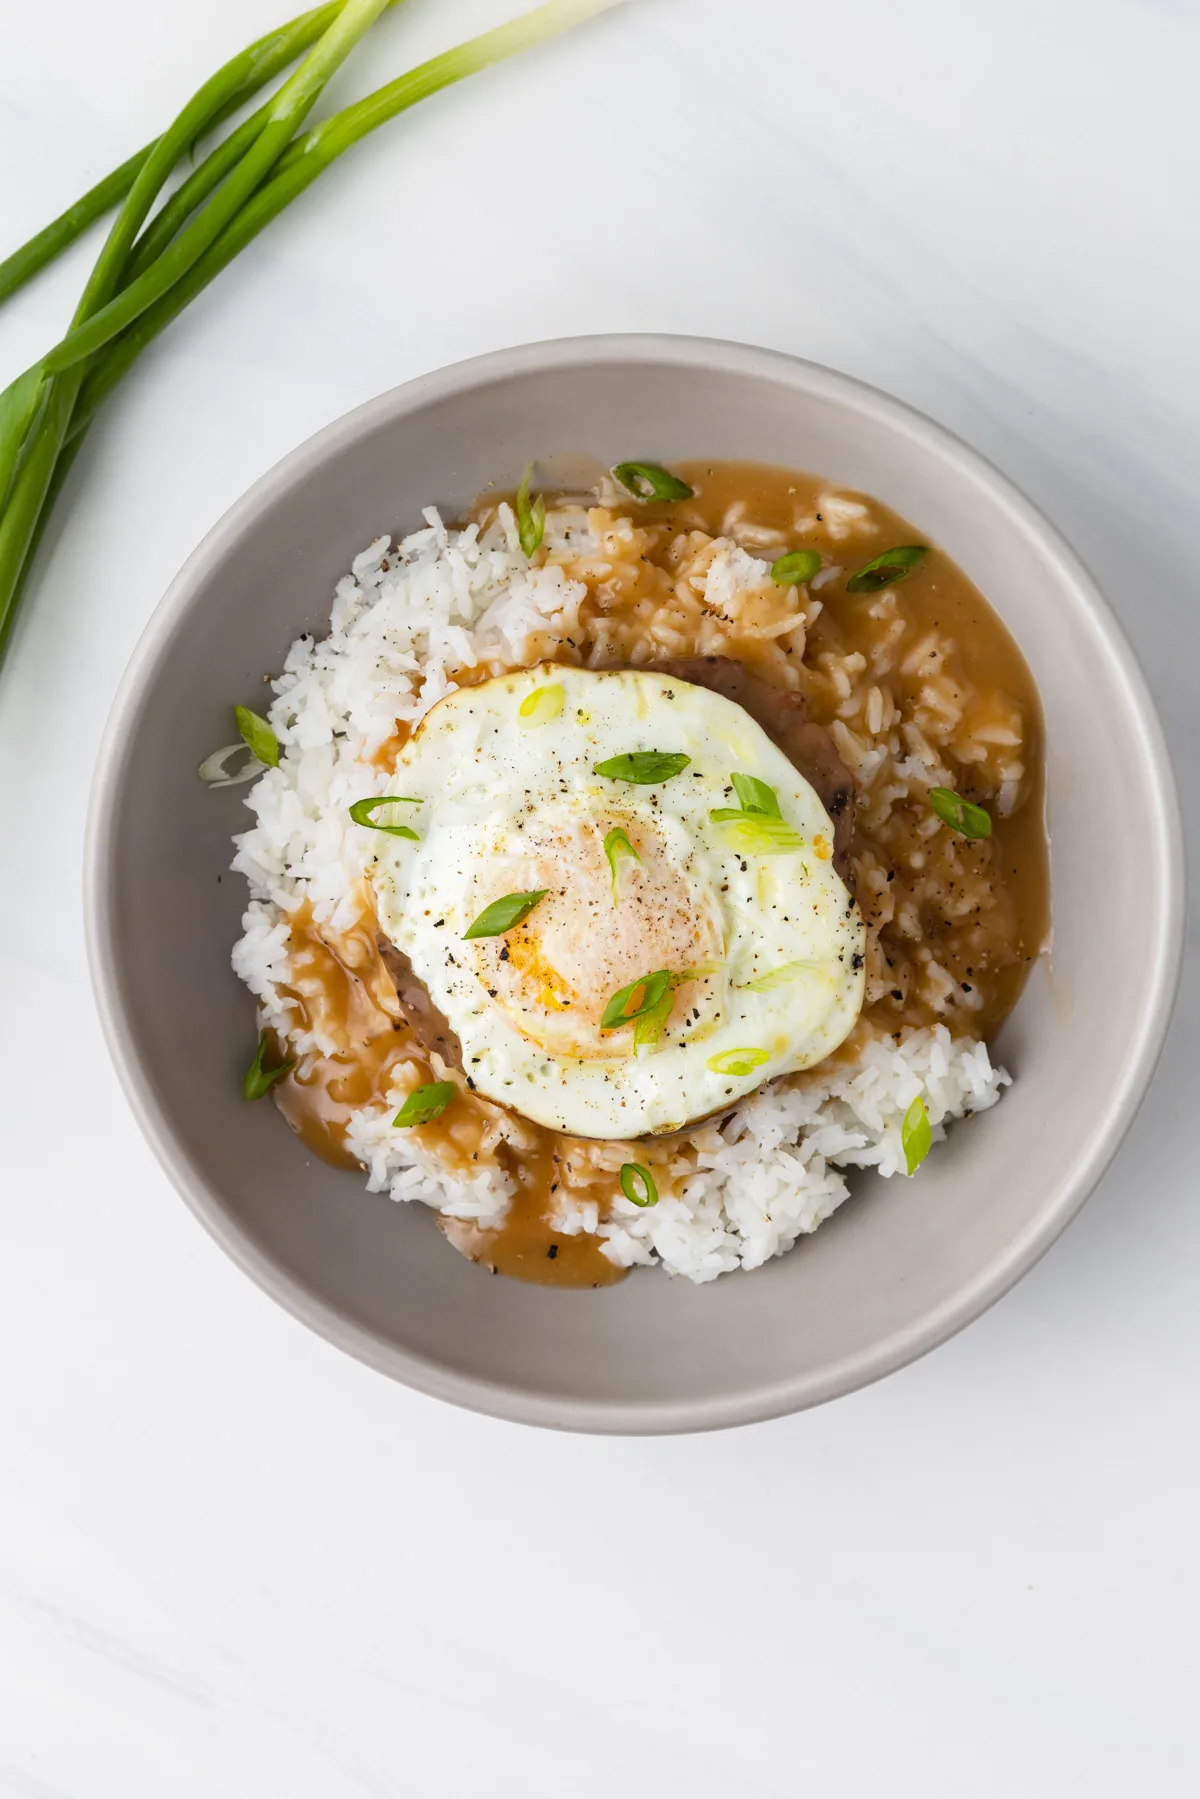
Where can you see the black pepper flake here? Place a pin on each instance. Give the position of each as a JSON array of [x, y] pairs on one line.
[[857, 960], [552, 1251]]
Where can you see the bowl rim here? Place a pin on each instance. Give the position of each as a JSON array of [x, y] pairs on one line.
[[625, 1417]]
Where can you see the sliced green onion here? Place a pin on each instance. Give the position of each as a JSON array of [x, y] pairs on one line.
[[424, 1104], [643, 768], [796, 567], [618, 849], [646, 481], [737, 1061], [754, 834], [959, 814], [361, 812], [651, 1025], [541, 706], [531, 519], [632, 1173], [504, 913], [783, 976], [699, 973], [892, 565], [619, 1011], [755, 795], [214, 770], [258, 735], [916, 1137], [260, 1080]]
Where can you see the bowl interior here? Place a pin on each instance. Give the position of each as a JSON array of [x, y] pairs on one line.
[[903, 1263]]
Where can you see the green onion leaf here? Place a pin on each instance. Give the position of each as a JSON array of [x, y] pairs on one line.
[[755, 795], [361, 812], [632, 1172], [424, 1104], [782, 976], [796, 567], [257, 733], [646, 481], [260, 1080], [531, 520], [620, 1009], [651, 1025], [737, 1061], [253, 190], [504, 913], [643, 768], [618, 849], [214, 770], [892, 565], [754, 834], [916, 1138], [960, 814], [540, 706]]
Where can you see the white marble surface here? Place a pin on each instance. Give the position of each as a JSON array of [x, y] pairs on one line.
[[231, 1561]]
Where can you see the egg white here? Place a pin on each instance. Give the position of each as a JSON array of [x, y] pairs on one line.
[[503, 801]]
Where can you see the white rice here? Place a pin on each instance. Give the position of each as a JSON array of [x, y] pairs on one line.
[[402, 621]]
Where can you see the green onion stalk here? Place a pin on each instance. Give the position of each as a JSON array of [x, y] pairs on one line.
[[140, 283], [261, 62]]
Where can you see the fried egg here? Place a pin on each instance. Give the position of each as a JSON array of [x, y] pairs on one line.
[[671, 961]]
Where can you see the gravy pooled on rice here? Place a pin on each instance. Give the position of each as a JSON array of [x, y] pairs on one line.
[[882, 682]]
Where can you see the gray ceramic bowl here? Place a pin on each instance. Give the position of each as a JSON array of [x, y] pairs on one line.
[[901, 1266]]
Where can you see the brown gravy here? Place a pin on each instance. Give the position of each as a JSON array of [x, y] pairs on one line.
[[906, 884]]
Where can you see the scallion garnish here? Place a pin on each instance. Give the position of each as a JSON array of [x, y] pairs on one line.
[[882, 570], [618, 849], [260, 1080], [531, 519], [214, 770], [650, 1026], [960, 814], [737, 1061], [634, 1001], [504, 913], [424, 1104], [783, 976], [755, 795], [916, 1137], [632, 1174], [257, 735], [541, 706], [756, 827], [796, 567], [361, 812], [646, 481], [755, 834], [643, 768]]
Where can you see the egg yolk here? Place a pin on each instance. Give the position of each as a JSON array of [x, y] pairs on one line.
[[595, 933]]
